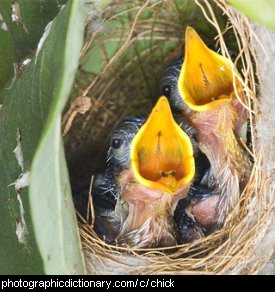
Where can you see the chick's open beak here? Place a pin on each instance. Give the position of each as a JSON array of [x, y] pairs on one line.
[[161, 152], [206, 78]]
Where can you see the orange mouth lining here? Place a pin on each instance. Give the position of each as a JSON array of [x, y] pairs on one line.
[[161, 152], [206, 78]]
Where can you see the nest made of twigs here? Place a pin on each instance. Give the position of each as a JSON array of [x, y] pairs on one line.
[[145, 37]]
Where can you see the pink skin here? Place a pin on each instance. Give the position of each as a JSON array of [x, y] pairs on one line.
[[241, 112], [205, 211], [153, 207], [229, 165]]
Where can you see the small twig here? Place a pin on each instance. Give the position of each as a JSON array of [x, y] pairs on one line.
[[247, 149], [91, 204], [120, 51]]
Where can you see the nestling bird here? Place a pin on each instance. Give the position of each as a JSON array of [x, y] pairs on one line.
[[201, 86], [151, 167]]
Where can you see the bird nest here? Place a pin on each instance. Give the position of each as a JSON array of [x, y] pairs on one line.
[[127, 47]]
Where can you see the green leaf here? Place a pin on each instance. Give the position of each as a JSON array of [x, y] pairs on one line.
[[21, 26], [26, 21], [7, 54], [33, 105], [260, 10], [57, 235]]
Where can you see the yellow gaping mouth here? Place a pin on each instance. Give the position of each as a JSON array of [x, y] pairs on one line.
[[206, 78], [161, 152]]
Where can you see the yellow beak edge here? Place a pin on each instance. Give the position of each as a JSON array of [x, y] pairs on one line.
[[206, 78], [161, 152]]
